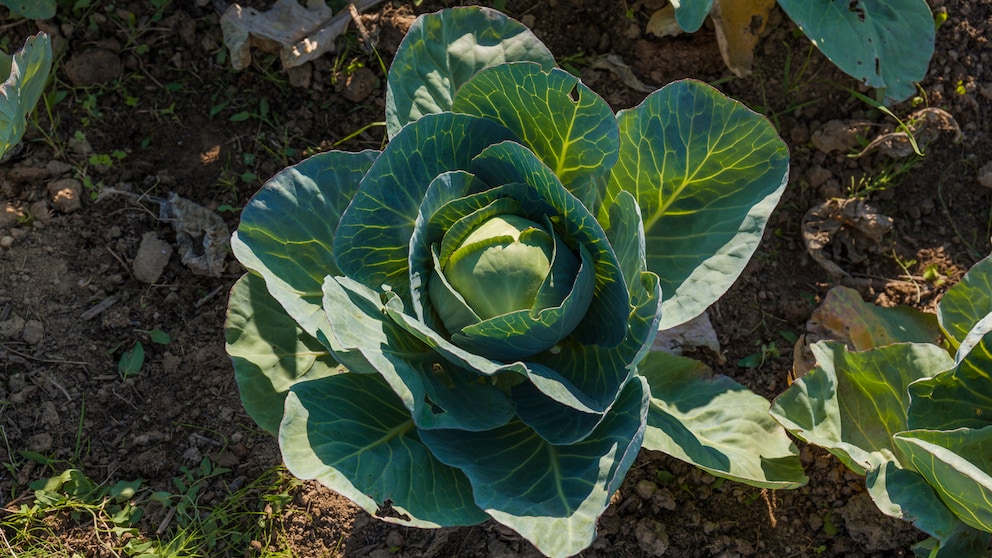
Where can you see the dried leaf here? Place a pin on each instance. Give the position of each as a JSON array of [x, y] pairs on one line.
[[663, 24], [299, 34], [616, 65], [696, 333], [739, 24], [850, 228], [924, 126], [201, 234], [843, 316]]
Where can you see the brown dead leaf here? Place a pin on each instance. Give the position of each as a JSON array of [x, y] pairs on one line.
[[848, 228], [924, 126], [299, 34], [662, 23], [739, 24]]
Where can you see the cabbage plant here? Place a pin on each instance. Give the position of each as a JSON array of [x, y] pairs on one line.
[[457, 328], [914, 417]]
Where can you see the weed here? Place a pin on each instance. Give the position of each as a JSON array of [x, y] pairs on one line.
[[113, 514]]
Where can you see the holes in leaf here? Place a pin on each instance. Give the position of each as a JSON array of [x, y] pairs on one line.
[[574, 93]]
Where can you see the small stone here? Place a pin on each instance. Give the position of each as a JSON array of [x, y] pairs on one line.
[[394, 539], [33, 332], [11, 327], [300, 76], [836, 135], [49, 415], [359, 85], [645, 489], [6, 241], [58, 168], [39, 211], [652, 536], [40, 443], [818, 175], [985, 175], [27, 175], [93, 66], [66, 194], [152, 257]]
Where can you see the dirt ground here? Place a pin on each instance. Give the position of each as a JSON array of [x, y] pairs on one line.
[[144, 102]]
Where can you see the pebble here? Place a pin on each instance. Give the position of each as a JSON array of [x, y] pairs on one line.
[[152, 257], [645, 489], [6, 241], [359, 85], [66, 194], [94, 66], [40, 443], [33, 332]]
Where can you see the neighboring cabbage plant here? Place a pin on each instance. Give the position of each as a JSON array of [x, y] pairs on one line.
[[457, 328], [886, 44], [915, 417], [24, 75]]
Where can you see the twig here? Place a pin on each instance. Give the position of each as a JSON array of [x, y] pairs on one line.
[[6, 347], [166, 520], [356, 17], [100, 307], [207, 297]]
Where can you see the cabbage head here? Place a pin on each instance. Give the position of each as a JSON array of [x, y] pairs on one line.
[[457, 328]]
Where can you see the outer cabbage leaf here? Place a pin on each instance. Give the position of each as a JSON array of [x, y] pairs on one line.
[[716, 424], [845, 316], [706, 172], [270, 351], [887, 44], [551, 495], [958, 465], [852, 403], [959, 397], [24, 75], [31, 9], [966, 303], [354, 435], [287, 230], [442, 51], [906, 495], [568, 126]]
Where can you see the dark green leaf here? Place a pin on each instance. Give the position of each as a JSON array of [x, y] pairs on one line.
[[354, 435], [373, 240], [958, 465], [966, 302], [550, 495], [442, 51], [570, 128], [706, 172], [885, 44], [287, 230], [132, 360]]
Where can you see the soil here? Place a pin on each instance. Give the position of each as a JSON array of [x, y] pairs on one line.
[[144, 102]]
